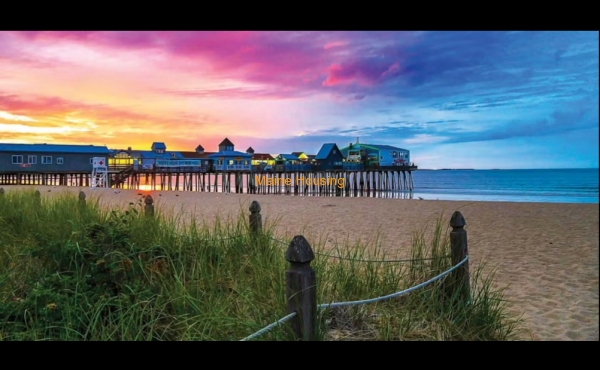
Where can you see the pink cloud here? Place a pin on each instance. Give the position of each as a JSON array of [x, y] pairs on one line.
[[365, 73], [394, 68], [292, 59], [334, 44]]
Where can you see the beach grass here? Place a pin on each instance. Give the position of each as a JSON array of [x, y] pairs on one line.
[[73, 271]]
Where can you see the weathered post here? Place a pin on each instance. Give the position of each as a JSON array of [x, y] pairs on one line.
[[38, 197], [1, 191], [81, 199], [149, 207], [301, 288], [458, 240], [255, 218]]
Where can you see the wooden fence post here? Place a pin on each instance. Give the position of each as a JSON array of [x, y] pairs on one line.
[[82, 199], [255, 218], [301, 288], [149, 207], [458, 240], [1, 191], [38, 197]]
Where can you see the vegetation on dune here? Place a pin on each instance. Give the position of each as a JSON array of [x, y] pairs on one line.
[[73, 271]]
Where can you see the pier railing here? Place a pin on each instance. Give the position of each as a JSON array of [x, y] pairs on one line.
[[353, 166], [298, 167], [233, 167]]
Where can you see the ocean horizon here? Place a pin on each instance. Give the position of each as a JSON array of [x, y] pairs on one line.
[[560, 185]]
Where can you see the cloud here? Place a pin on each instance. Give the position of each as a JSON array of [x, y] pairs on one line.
[[298, 60], [25, 129], [361, 72], [63, 120], [14, 117], [240, 93], [414, 89], [577, 115], [426, 139]]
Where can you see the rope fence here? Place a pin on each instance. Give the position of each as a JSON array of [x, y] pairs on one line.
[[397, 294], [363, 260], [301, 281], [364, 301], [269, 327]]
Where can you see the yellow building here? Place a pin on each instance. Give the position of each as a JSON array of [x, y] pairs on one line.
[[121, 159], [301, 155], [262, 158]]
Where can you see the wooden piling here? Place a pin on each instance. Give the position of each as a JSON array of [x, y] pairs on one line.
[[301, 288], [255, 218], [458, 239], [81, 199], [149, 206]]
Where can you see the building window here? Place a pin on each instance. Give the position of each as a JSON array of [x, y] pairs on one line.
[[60, 160], [17, 159], [394, 154], [230, 162], [32, 159], [46, 159], [334, 151]]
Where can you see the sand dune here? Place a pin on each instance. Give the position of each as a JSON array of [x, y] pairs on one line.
[[547, 253]]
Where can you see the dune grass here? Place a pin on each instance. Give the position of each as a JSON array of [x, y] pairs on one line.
[[85, 272]]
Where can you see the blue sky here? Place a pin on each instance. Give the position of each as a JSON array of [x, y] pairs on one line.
[[455, 99]]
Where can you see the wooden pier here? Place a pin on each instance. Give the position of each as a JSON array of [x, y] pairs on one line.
[[337, 182], [57, 179]]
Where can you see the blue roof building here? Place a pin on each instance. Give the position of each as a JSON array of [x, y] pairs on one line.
[[50, 158], [328, 158], [375, 154], [228, 159], [158, 147], [287, 158], [54, 148], [147, 159], [292, 162]]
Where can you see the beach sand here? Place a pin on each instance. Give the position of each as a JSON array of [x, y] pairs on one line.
[[547, 253]]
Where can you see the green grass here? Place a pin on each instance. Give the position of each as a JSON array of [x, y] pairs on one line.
[[73, 272]]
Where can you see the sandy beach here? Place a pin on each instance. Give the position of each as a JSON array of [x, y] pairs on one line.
[[547, 253]]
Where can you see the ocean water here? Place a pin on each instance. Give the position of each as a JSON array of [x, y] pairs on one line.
[[540, 185]]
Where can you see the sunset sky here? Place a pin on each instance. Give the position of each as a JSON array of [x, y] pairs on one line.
[[454, 99]]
